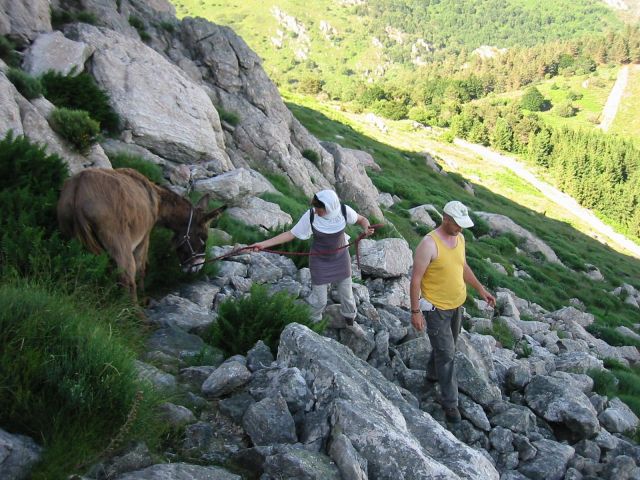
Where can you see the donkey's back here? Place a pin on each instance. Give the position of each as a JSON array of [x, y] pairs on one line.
[[100, 204]]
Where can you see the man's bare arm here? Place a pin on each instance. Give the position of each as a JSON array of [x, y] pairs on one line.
[[421, 260]]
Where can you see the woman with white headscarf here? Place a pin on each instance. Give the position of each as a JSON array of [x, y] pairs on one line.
[[326, 222]]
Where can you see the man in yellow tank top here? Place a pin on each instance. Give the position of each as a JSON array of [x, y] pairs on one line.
[[440, 274]]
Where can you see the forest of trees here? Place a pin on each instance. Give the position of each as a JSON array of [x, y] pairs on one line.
[[451, 25]]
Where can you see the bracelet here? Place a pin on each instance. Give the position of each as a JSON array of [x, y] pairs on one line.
[[415, 311]]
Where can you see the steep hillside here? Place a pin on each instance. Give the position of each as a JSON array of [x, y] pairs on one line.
[[223, 375], [372, 38]]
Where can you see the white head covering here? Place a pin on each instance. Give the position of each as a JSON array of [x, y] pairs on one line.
[[332, 221]]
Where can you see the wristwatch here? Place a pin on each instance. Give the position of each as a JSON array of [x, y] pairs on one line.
[[415, 311]]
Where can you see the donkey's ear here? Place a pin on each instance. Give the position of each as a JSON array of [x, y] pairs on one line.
[[203, 203], [213, 214]]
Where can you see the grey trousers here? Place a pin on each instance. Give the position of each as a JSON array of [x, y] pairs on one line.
[[443, 327], [318, 300]]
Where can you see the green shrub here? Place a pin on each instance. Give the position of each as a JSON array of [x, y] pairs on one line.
[[257, 316], [86, 17], [61, 17], [230, 117], [150, 170], [138, 24], [80, 92], [75, 126], [565, 110], [68, 379], [8, 52], [28, 86], [534, 101], [311, 155]]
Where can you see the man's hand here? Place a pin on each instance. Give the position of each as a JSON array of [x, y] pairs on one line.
[[417, 320], [487, 297]]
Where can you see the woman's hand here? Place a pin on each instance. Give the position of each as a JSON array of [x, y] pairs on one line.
[[256, 247]]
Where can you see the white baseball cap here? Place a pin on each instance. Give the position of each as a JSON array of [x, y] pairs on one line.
[[459, 212]]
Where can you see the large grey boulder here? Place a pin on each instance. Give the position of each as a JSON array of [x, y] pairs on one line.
[[352, 182], [226, 378], [234, 186], [267, 134], [618, 417], [568, 314], [166, 112], [24, 20], [560, 402], [269, 421], [52, 51], [180, 471], [396, 439], [18, 454], [550, 463], [420, 215], [259, 213], [500, 224], [386, 258]]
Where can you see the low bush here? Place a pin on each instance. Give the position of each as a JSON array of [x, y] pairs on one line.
[[27, 85], [8, 52], [80, 92], [75, 126], [257, 316], [311, 155], [138, 24], [226, 116]]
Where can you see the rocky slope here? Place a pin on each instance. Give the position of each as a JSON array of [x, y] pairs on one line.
[[333, 406]]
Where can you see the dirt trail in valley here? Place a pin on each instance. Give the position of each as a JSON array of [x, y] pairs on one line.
[[610, 109], [562, 199]]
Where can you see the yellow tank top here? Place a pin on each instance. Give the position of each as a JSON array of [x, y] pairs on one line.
[[443, 284]]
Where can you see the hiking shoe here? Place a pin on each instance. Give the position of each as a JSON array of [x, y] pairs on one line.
[[452, 414], [356, 330]]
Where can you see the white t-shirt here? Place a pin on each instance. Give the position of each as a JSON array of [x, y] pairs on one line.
[[302, 229]]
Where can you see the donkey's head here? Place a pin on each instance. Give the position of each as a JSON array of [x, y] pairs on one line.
[[191, 239]]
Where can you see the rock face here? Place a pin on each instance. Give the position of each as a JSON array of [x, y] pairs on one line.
[[396, 439], [24, 21], [266, 135], [165, 111], [352, 182], [532, 244]]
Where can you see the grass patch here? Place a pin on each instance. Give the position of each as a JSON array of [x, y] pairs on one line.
[[68, 377], [150, 170]]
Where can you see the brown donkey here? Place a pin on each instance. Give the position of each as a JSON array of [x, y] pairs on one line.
[[115, 210]]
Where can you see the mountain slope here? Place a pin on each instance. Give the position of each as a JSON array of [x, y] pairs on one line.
[[369, 38]]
